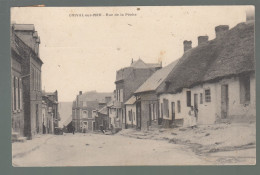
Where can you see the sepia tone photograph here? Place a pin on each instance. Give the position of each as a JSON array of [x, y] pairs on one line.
[[133, 86]]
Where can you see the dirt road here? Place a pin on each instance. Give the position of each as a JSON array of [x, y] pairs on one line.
[[107, 150]]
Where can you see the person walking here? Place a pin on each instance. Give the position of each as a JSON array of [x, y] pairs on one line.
[[192, 117]]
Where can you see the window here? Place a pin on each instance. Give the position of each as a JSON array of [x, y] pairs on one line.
[[179, 106], [121, 95], [151, 111], [84, 114], [207, 95], [155, 111], [19, 93], [118, 95], [37, 80], [244, 89], [188, 94], [40, 81], [201, 98], [16, 93], [166, 107], [129, 115], [32, 78]]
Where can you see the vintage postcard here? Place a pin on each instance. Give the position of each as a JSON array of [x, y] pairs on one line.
[[133, 86]]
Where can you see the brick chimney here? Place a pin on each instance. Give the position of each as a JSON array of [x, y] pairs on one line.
[[250, 14], [220, 30], [202, 39], [38, 42], [187, 45]]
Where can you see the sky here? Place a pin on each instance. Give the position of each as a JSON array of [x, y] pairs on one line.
[[83, 53]]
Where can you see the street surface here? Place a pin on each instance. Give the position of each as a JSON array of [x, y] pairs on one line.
[[106, 150]]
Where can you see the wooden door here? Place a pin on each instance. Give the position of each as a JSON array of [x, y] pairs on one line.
[[173, 111], [132, 120], [150, 114], [138, 115], [224, 101]]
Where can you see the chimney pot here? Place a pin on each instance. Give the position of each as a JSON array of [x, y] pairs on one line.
[[80, 92], [202, 39], [187, 45], [220, 30]]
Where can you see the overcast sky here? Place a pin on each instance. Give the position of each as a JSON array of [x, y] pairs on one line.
[[83, 53]]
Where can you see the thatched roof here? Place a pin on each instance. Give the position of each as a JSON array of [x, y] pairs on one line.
[[228, 55]]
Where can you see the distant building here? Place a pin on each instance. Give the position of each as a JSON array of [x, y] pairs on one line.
[[85, 108], [50, 114], [128, 79], [26, 80]]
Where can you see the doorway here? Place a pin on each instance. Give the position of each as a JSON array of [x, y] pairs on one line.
[[138, 114], [37, 118], [224, 101]]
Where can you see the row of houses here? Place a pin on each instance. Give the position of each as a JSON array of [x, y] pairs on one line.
[[217, 78], [31, 108]]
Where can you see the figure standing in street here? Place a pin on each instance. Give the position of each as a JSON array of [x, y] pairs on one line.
[[192, 117], [73, 130]]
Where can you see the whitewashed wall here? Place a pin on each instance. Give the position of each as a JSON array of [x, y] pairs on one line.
[[209, 112]]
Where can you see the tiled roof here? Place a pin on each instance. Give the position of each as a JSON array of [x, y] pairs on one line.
[[131, 100], [156, 79]]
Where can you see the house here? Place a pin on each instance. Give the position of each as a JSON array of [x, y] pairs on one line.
[[217, 77], [113, 114], [147, 102], [50, 114], [85, 107], [26, 80], [128, 79]]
